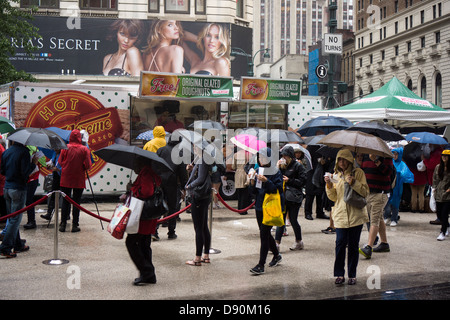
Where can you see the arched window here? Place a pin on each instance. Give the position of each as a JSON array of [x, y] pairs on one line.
[[370, 89], [438, 90], [410, 84], [360, 93], [423, 88]]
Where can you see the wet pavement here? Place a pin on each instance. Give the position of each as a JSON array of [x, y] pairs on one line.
[[99, 268]]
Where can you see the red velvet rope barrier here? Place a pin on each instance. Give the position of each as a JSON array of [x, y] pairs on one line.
[[109, 220], [24, 209], [231, 208]]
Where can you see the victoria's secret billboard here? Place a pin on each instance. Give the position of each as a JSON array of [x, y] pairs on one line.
[[127, 47]]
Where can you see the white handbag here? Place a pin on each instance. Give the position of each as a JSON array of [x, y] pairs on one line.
[[135, 206]]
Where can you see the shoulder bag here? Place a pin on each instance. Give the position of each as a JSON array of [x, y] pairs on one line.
[[353, 198], [155, 206]]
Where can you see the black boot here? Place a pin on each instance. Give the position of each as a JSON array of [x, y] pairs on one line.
[[62, 227]]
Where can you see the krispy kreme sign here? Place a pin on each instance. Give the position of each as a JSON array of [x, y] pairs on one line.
[[69, 110], [169, 85], [270, 90]]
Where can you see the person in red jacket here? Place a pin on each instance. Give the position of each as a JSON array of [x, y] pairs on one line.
[[138, 245], [74, 161]]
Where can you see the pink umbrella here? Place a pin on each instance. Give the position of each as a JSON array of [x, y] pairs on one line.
[[248, 142]]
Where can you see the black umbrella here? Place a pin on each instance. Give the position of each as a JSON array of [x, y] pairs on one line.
[[326, 124], [37, 137], [126, 156], [278, 135], [313, 140], [382, 130]]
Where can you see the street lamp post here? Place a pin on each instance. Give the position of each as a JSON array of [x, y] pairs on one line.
[[235, 51]]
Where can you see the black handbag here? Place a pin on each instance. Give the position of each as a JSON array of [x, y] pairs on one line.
[[293, 194], [155, 206]]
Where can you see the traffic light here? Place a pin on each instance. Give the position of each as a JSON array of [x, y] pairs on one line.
[[342, 87], [323, 87]]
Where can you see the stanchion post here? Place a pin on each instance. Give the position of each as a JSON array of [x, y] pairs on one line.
[[211, 250], [55, 261]]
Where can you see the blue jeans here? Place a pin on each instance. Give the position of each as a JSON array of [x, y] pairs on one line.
[[391, 212], [15, 200], [344, 237]]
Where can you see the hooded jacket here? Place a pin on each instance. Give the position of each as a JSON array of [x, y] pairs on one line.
[[344, 215], [74, 161], [158, 141], [295, 171], [404, 175]]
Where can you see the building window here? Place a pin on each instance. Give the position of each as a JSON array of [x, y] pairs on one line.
[[410, 87], [200, 6], [153, 6], [437, 36], [39, 3], [370, 38], [422, 42], [408, 46], [396, 51], [176, 6], [240, 8], [360, 62], [382, 54], [370, 58], [406, 23], [98, 4], [423, 88], [438, 91], [396, 6], [396, 27], [422, 16]]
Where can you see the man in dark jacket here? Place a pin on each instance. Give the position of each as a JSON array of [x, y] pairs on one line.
[[16, 166], [172, 183]]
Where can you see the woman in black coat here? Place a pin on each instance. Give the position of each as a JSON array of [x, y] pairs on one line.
[[294, 177]]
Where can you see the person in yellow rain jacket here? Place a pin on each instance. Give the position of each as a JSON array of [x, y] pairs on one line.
[[158, 141]]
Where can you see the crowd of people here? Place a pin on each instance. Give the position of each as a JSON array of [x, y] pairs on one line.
[[338, 181]]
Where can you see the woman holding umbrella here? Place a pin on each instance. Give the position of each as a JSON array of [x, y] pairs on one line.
[[138, 245]]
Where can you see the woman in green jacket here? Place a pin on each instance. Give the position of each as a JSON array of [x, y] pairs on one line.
[[441, 189]]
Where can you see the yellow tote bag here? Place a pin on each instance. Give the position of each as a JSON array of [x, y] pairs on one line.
[[272, 214]]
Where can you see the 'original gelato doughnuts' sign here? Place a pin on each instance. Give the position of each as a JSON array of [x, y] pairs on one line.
[[270, 90], [154, 85]]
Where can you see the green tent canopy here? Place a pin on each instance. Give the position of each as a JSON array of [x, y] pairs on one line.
[[395, 104]]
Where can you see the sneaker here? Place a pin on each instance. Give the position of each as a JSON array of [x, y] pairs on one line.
[[387, 221], [258, 269], [172, 236], [275, 261], [8, 255], [393, 224], [383, 247], [366, 251], [441, 237], [298, 245]]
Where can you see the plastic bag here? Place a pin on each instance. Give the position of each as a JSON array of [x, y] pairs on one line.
[[272, 212], [433, 200]]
